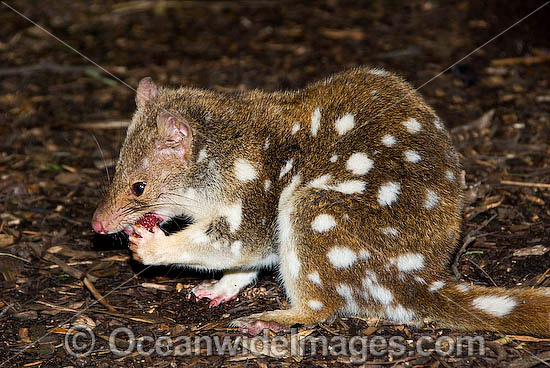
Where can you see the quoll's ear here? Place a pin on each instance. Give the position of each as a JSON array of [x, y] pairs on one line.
[[175, 133], [147, 90]]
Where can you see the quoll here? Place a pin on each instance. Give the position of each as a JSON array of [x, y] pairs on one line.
[[348, 188]]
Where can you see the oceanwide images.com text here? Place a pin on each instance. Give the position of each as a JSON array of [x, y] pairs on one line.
[[81, 341]]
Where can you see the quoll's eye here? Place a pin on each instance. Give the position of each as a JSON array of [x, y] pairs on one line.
[[138, 188]]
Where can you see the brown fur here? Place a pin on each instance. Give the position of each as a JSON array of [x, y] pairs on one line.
[[239, 225]]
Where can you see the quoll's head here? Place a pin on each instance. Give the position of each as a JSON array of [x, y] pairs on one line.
[[153, 164]]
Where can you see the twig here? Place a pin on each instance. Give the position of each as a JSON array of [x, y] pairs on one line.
[[100, 298], [105, 125], [76, 273], [6, 308], [57, 307], [539, 280], [86, 279], [108, 312], [527, 60], [16, 257], [469, 239], [525, 184], [484, 273]]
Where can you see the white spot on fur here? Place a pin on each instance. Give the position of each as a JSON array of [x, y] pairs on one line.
[[350, 187], [202, 155], [244, 171], [371, 276], [285, 169], [364, 254], [320, 182], [234, 215], [463, 287], [431, 199], [344, 124], [267, 185], [315, 121], [388, 140], [341, 257], [295, 128], [399, 314], [450, 176], [387, 194], [420, 280], [266, 143], [323, 223], [412, 156], [315, 304], [333, 158], [390, 231], [438, 125], [378, 71], [359, 163], [495, 305], [315, 278], [376, 291], [346, 187], [346, 293], [409, 262], [236, 248], [436, 285], [412, 125]]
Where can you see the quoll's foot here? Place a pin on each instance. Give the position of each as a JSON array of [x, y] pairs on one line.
[[214, 290], [254, 325], [226, 289]]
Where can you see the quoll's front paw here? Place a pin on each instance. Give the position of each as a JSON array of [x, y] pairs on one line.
[[215, 291], [145, 244]]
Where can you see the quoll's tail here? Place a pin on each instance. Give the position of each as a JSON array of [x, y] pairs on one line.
[[519, 311]]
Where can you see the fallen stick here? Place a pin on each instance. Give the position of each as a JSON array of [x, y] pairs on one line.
[[100, 298], [468, 239], [527, 60], [106, 125], [74, 272], [86, 279], [525, 184]]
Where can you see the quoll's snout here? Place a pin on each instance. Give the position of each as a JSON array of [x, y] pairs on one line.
[[97, 224]]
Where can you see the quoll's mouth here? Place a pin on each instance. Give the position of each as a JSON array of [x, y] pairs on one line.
[[148, 221]]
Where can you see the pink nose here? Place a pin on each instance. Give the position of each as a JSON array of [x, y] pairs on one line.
[[98, 227]]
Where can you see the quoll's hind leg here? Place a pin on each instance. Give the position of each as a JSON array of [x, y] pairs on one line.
[[302, 271], [310, 299], [225, 289], [310, 304]]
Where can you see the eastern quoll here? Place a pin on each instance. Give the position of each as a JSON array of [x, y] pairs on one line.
[[348, 187]]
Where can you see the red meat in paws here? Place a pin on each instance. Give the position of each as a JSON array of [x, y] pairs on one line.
[[149, 221]]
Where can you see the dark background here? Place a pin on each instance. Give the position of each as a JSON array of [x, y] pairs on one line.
[[52, 172]]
